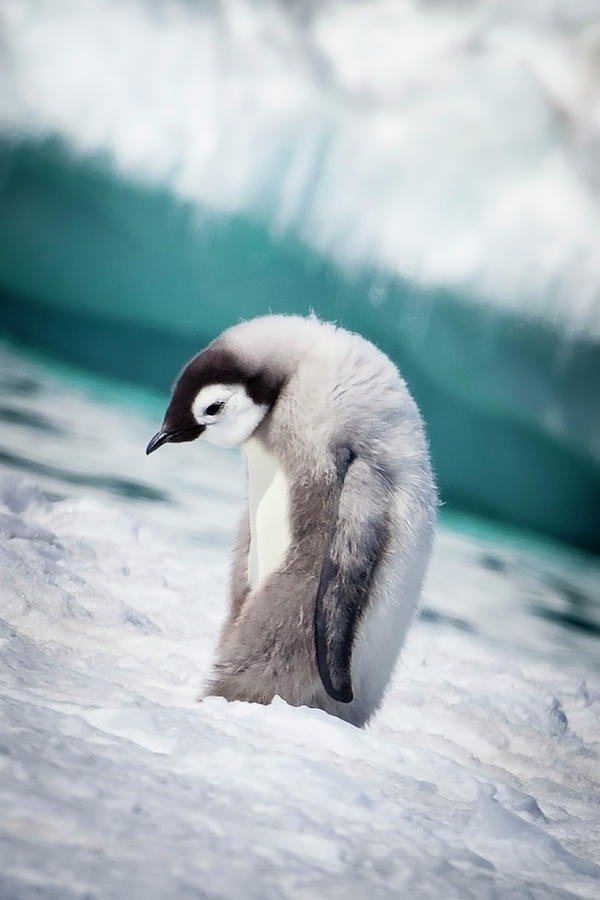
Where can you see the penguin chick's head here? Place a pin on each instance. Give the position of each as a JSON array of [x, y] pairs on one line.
[[219, 395]]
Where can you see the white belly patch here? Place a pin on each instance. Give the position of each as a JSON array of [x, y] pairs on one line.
[[268, 500]]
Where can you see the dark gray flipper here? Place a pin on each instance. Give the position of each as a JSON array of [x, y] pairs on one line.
[[357, 541]]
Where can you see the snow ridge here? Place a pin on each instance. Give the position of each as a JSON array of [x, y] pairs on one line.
[[480, 776]]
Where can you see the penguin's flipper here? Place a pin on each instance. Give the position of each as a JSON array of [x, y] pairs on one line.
[[358, 538]]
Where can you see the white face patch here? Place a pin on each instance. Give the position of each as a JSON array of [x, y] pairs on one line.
[[229, 414]]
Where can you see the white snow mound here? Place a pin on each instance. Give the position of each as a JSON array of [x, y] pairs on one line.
[[479, 777]]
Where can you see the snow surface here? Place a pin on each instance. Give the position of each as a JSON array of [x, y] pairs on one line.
[[479, 777]]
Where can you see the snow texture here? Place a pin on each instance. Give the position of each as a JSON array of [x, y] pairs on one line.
[[479, 777]]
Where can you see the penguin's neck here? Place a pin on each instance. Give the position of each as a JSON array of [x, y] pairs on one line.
[[268, 503]]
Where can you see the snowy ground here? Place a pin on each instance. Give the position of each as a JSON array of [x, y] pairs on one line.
[[480, 776]]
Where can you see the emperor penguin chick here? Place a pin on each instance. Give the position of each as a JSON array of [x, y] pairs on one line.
[[337, 532]]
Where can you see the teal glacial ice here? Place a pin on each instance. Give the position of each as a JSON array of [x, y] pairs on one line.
[[440, 196]]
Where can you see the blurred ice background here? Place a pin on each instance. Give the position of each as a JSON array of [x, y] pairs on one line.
[[425, 173], [428, 174]]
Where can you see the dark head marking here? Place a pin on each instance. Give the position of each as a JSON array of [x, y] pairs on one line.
[[214, 365]]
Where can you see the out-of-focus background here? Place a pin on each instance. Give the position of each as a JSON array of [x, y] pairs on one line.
[[425, 173]]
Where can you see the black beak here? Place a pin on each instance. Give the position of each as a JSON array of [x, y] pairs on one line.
[[174, 436], [160, 438]]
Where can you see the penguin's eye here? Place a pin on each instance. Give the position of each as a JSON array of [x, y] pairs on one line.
[[214, 409]]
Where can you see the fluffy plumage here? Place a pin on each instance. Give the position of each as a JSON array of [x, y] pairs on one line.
[[333, 547]]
